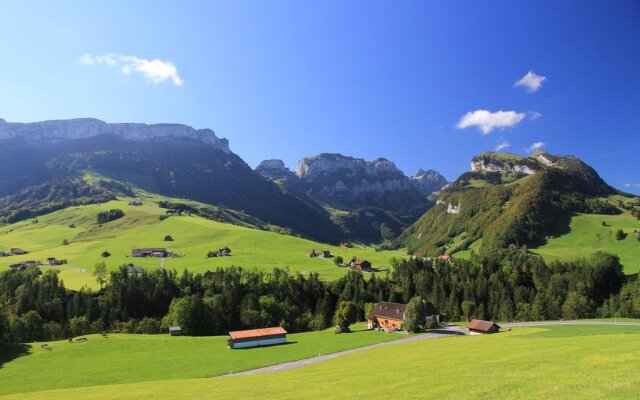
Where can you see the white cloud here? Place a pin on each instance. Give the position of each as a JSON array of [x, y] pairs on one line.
[[531, 81], [502, 145], [535, 146], [487, 121], [154, 70], [632, 185], [534, 115]]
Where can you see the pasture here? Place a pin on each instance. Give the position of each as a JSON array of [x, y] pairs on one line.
[[123, 358], [141, 226], [561, 362]]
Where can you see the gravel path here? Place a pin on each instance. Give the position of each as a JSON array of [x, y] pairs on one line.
[[438, 333]]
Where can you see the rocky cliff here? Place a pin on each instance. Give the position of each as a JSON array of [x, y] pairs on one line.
[[427, 182], [56, 131]]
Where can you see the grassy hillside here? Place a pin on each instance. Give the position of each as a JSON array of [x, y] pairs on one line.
[[588, 234], [139, 358], [596, 362], [141, 227]]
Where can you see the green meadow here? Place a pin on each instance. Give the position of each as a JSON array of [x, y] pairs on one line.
[[141, 227], [122, 358], [561, 362], [587, 235]]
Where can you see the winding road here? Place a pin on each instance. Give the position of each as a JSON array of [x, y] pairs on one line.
[[433, 334]]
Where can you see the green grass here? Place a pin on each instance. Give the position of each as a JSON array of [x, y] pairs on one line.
[[141, 227], [587, 235], [592, 362], [138, 358]]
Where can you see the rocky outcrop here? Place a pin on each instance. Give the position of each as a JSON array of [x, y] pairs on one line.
[[501, 167], [56, 131], [427, 182], [275, 169]]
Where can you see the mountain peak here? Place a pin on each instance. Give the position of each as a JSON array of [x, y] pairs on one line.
[[81, 128]]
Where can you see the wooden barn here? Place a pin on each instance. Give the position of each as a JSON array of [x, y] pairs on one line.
[[175, 331], [480, 327], [391, 315], [257, 337]]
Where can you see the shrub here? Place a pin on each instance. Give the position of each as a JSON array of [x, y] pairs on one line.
[[105, 254], [65, 242], [168, 238], [620, 234], [338, 260]]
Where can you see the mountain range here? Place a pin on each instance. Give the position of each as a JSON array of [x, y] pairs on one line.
[[330, 197]]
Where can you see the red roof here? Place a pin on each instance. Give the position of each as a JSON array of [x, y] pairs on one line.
[[254, 333], [445, 257]]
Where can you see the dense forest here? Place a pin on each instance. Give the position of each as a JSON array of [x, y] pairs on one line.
[[514, 285]]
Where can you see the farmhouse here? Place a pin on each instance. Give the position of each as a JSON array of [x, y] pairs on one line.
[[134, 270], [53, 261], [15, 251], [175, 331], [4, 254], [257, 337], [345, 245], [445, 258], [23, 265], [417, 256], [151, 252], [362, 265], [320, 253], [135, 203], [391, 315], [480, 327], [387, 315]]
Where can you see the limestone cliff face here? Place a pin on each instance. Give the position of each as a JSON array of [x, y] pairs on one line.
[[56, 131], [482, 165], [350, 183]]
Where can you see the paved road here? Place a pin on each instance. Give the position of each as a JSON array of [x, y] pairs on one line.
[[572, 322], [439, 333]]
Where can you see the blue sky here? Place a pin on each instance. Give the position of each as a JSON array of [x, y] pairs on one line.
[[369, 79]]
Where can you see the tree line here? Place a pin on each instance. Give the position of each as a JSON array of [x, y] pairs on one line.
[[514, 285]]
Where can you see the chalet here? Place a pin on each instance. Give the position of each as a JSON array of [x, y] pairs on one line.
[[480, 327], [445, 258], [391, 315], [224, 252], [53, 261], [134, 270], [175, 331], [362, 265], [23, 265], [417, 256], [135, 203], [345, 245], [17, 251], [320, 253], [151, 252], [386, 315], [257, 337]]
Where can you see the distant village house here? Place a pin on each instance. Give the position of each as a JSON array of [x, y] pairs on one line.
[[361, 265], [151, 252], [257, 337], [17, 251], [345, 245], [445, 258], [320, 253], [390, 316]]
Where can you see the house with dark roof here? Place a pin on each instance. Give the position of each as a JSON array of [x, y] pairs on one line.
[[151, 252], [175, 331], [16, 251], [480, 327], [388, 315], [362, 265], [257, 337], [320, 253]]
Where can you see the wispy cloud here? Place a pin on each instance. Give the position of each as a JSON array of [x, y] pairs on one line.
[[535, 146], [154, 70], [533, 115], [632, 185], [531, 81], [502, 145], [487, 121]]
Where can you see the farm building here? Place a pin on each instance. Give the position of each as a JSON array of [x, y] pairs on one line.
[[480, 327], [417, 256], [362, 265], [345, 245], [53, 261], [17, 251], [391, 315], [151, 252], [175, 331], [320, 253], [445, 258], [23, 265], [257, 337]]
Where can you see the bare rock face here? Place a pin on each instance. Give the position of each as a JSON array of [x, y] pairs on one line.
[[427, 182], [274, 169], [56, 131]]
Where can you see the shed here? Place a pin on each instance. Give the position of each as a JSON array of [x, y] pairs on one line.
[[480, 327], [175, 331], [257, 337]]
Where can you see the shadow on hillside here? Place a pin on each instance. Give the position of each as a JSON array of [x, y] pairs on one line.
[[447, 332], [9, 352], [562, 227]]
